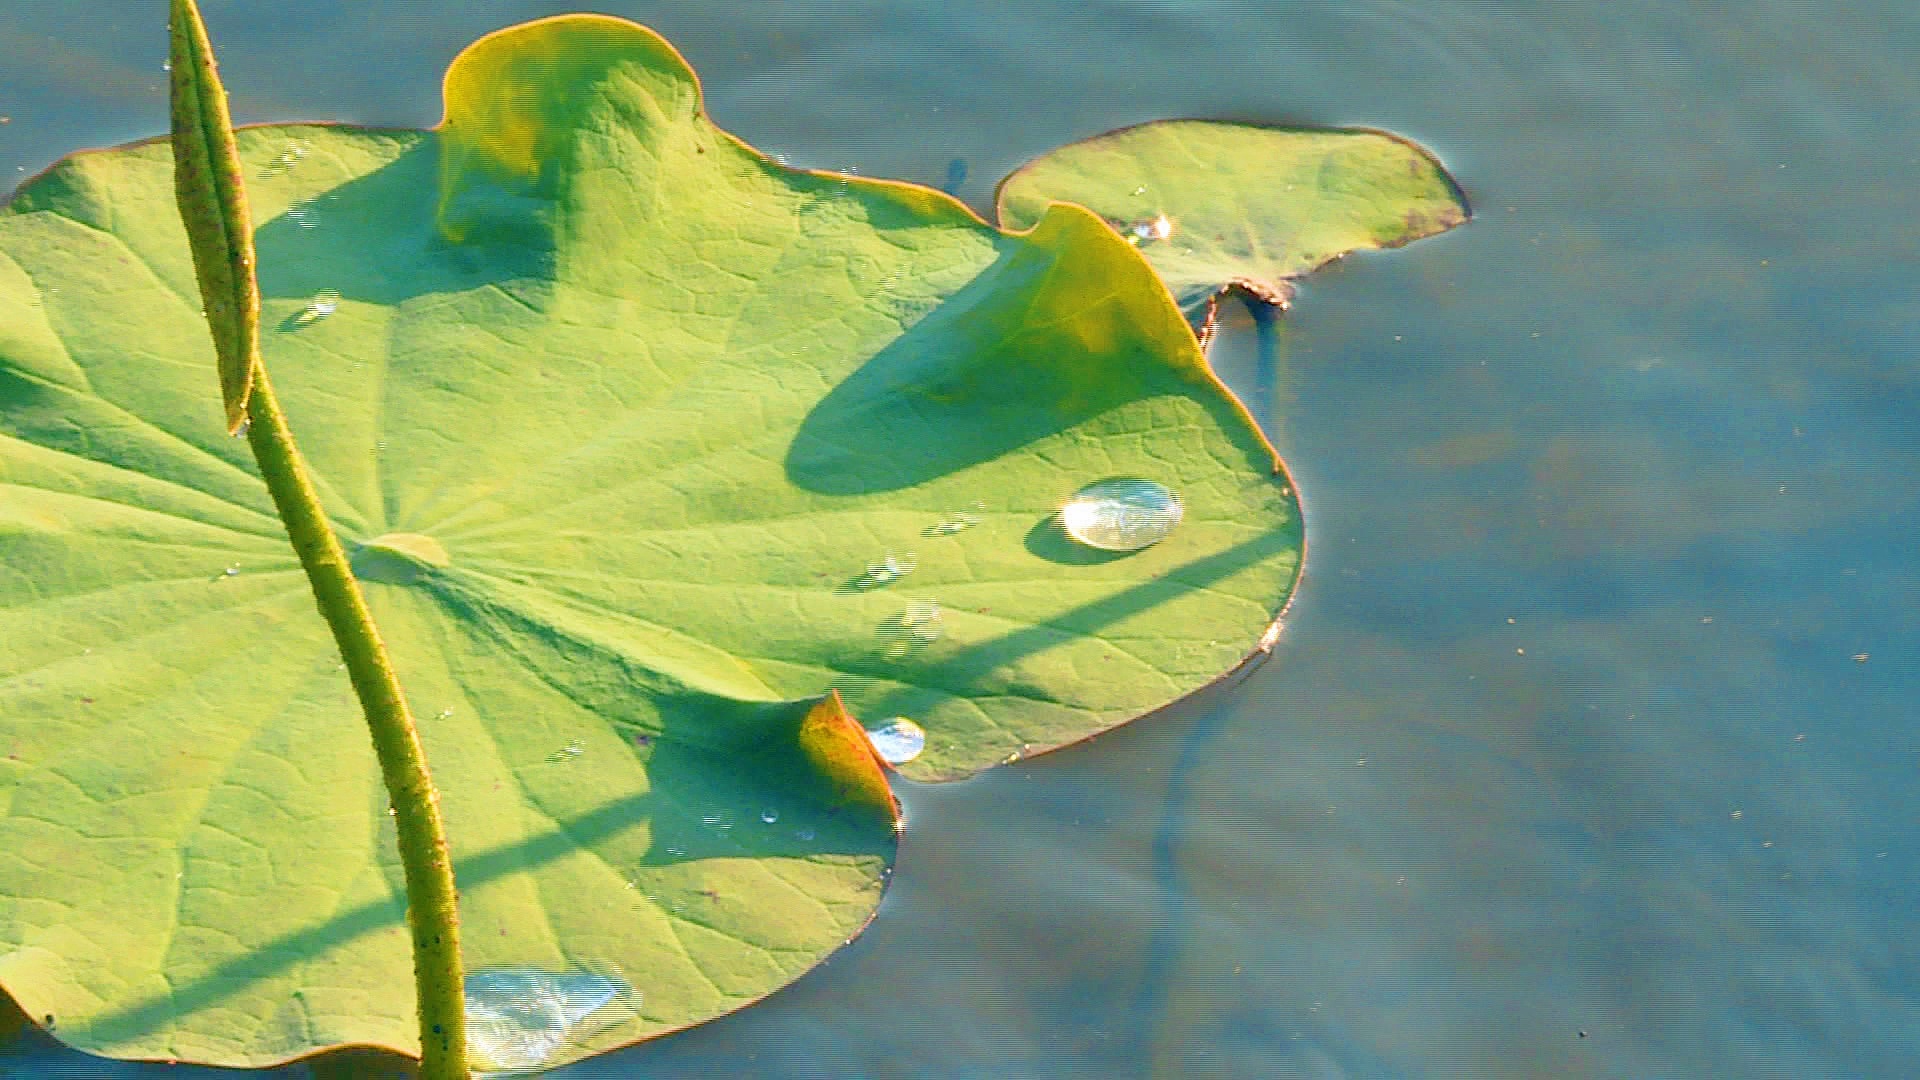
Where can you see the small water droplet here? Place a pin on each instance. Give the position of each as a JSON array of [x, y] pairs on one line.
[[898, 741], [324, 303], [1155, 228], [288, 158], [887, 570], [519, 1018], [920, 625], [769, 815], [958, 521], [1121, 515]]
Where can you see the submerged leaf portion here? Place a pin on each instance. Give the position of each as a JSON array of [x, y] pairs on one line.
[[616, 415], [1217, 206]]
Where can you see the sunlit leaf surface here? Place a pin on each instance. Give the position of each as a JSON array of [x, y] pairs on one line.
[[645, 446]]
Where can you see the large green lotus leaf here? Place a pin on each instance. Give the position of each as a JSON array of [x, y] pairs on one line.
[[1219, 206], [615, 413]]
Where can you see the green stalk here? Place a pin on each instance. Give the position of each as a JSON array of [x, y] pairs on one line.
[[213, 206]]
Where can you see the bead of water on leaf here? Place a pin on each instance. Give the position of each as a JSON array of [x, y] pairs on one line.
[[892, 568], [1156, 228], [1121, 515], [958, 521], [923, 622], [324, 303], [519, 1018], [920, 625], [293, 153], [898, 741]]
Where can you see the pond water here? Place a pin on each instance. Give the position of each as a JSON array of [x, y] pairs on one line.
[[1588, 748]]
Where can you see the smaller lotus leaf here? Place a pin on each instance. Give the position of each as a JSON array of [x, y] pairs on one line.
[[1217, 206]]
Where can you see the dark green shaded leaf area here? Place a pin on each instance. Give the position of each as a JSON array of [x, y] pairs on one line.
[[1218, 206], [614, 414]]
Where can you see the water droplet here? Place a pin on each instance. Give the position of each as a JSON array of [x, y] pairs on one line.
[[887, 570], [288, 158], [324, 303], [898, 741], [519, 1018], [566, 753], [920, 625], [769, 815], [1155, 228], [1121, 515], [958, 521]]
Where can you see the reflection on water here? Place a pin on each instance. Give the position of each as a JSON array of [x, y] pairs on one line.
[[1605, 491]]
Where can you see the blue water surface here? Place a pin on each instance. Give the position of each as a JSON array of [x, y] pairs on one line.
[[1589, 749]]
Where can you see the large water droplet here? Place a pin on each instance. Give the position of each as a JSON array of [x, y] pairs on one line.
[[1121, 515], [898, 741], [519, 1018]]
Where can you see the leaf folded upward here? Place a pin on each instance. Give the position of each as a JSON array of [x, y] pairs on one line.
[[667, 469]]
